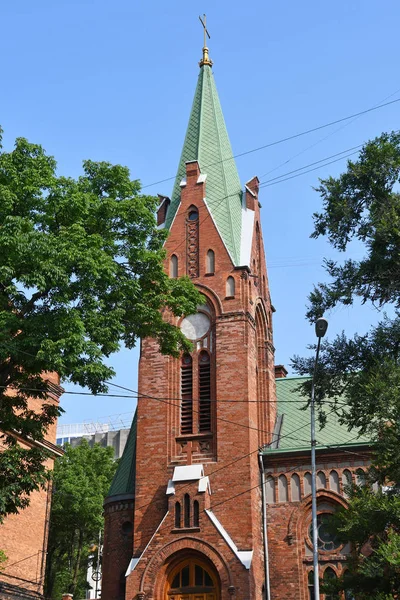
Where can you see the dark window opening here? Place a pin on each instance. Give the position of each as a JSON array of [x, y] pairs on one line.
[[193, 215], [186, 508], [195, 514], [187, 394], [311, 594], [126, 528], [177, 514]]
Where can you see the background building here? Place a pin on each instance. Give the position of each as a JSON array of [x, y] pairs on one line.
[[23, 537]]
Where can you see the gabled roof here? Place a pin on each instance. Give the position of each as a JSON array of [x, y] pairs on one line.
[[124, 478], [294, 430], [207, 142]]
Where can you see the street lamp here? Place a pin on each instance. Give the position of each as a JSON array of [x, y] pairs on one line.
[[321, 326]]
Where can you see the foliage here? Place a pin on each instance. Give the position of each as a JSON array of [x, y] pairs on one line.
[[81, 480], [372, 525], [363, 373], [3, 559], [81, 272]]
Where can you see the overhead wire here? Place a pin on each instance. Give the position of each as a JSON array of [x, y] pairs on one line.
[[282, 140], [324, 138]]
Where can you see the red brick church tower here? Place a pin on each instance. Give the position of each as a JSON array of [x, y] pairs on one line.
[[201, 418]]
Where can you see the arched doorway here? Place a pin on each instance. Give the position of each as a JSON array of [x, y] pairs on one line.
[[192, 579]]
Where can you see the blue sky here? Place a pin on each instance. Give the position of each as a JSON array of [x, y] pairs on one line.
[[115, 80]]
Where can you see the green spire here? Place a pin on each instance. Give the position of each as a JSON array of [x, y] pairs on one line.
[[207, 142], [124, 478]]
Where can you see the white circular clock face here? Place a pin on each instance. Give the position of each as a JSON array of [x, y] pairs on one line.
[[195, 326]]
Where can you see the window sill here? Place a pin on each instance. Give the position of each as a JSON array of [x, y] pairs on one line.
[[187, 437], [185, 530], [209, 274], [229, 297]]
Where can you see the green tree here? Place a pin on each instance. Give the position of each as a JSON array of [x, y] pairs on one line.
[[81, 272], [363, 204], [81, 480], [3, 560]]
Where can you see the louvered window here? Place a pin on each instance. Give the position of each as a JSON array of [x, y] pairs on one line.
[[204, 392], [187, 394]]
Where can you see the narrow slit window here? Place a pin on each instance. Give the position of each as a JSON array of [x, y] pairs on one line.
[[187, 395], [173, 266], [186, 510], [177, 515], [295, 488], [270, 486], [321, 480], [195, 514], [204, 392], [283, 489], [210, 262], [230, 287]]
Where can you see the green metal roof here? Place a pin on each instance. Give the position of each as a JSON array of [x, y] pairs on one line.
[[294, 434], [207, 142], [124, 478]]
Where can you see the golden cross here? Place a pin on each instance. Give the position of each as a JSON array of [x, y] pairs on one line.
[[203, 21]]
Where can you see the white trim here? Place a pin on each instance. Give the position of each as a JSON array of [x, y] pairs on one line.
[[244, 556], [183, 182], [246, 239], [204, 485], [170, 488], [162, 226], [250, 192], [188, 473], [202, 178], [134, 561]]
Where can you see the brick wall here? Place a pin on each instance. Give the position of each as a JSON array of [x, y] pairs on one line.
[[244, 373], [23, 537]]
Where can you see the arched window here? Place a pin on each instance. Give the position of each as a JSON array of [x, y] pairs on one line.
[[195, 575], [204, 392], [177, 514], [186, 510], [282, 489], [347, 481], [230, 287], [307, 484], [360, 477], [327, 541], [321, 480], [173, 266], [195, 514], [348, 594], [187, 394], [270, 489], [311, 595], [330, 575], [295, 488], [334, 482], [210, 262]]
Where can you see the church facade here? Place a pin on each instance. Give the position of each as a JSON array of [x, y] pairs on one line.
[[187, 516]]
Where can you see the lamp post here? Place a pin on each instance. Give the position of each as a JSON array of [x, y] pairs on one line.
[[321, 326]]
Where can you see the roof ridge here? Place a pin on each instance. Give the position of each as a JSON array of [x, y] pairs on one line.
[[235, 257]]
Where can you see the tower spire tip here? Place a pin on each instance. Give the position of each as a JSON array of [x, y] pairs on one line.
[[206, 60]]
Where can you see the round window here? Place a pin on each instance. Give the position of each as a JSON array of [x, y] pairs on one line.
[[326, 540], [195, 326], [193, 215]]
